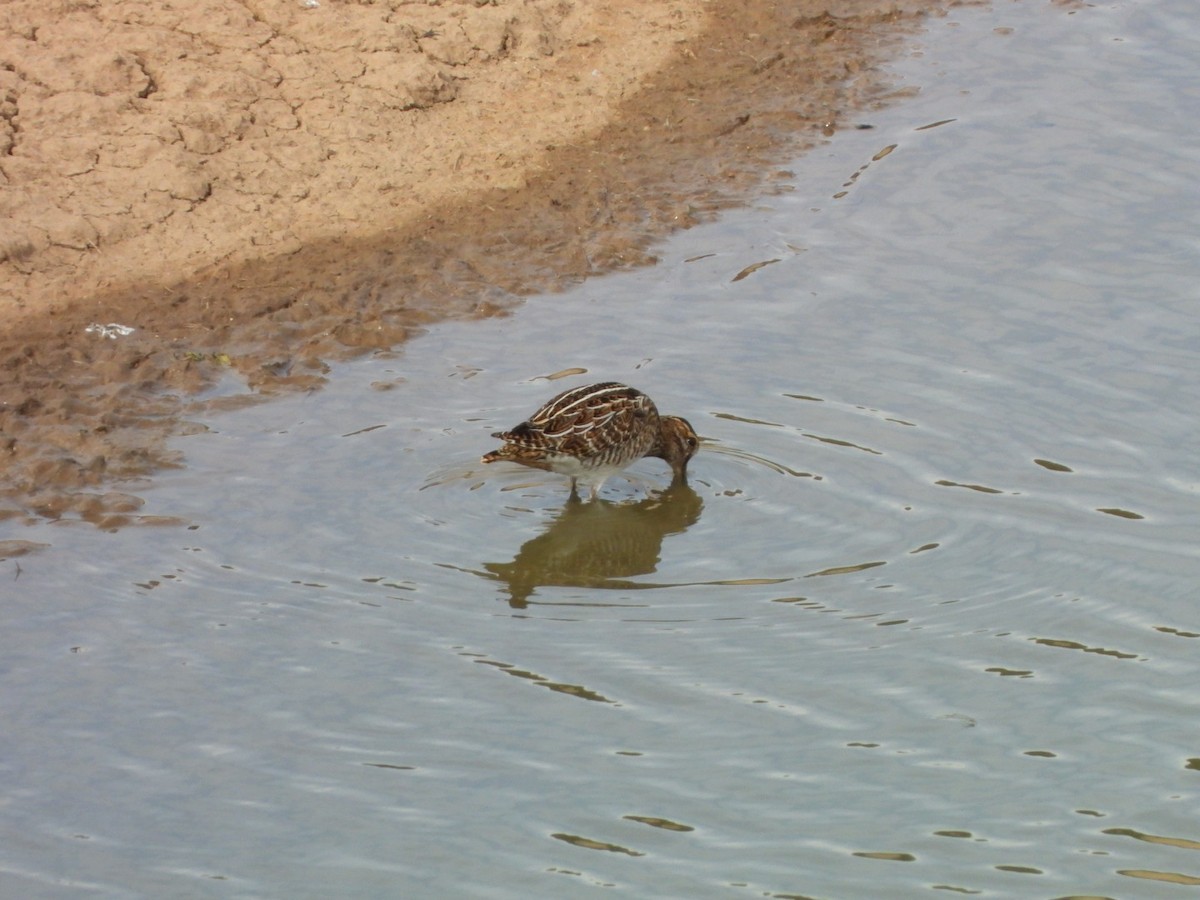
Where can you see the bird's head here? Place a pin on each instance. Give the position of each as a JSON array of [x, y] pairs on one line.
[[677, 443]]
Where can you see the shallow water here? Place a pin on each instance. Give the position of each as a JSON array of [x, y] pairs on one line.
[[923, 619]]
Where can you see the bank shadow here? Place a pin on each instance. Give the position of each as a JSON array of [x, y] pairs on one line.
[[598, 544]]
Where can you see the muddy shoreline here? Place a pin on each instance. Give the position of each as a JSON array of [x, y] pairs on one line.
[[609, 128]]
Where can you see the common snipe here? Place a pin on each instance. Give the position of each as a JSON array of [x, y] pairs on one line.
[[589, 433]]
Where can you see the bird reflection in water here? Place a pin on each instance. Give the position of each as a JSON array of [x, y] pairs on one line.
[[599, 544]]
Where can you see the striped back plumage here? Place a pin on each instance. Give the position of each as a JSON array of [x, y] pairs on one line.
[[609, 422]]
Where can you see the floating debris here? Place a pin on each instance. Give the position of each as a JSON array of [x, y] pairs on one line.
[[751, 269]]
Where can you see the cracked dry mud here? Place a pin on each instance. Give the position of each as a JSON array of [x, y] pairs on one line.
[[267, 185]]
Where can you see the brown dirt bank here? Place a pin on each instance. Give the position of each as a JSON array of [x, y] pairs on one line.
[[268, 186]]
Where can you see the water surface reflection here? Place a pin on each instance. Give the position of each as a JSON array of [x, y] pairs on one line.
[[599, 544]]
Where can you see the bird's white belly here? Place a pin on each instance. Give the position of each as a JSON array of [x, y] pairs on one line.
[[584, 469]]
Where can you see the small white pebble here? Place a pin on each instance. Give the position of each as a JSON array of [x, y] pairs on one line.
[[112, 330]]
